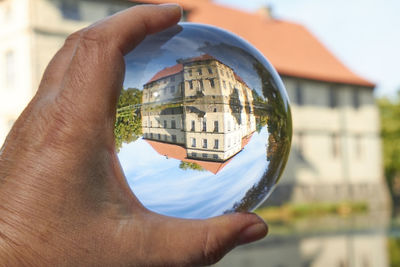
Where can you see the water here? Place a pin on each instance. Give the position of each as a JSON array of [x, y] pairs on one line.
[[367, 240]]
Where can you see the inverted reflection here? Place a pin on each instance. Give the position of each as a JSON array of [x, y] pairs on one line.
[[198, 111], [202, 130]]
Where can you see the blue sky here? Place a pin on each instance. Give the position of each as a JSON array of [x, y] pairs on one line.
[[363, 34], [163, 187]]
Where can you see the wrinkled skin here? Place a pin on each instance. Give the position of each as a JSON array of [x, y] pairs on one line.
[[64, 200]]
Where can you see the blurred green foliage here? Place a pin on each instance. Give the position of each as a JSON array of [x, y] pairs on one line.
[[394, 248], [128, 123], [190, 166], [390, 125]]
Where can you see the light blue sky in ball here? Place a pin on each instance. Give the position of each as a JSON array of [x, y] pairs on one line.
[[163, 187], [363, 34]]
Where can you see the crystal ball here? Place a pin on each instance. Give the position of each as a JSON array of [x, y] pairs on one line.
[[203, 124]]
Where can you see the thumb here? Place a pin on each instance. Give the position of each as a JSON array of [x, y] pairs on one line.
[[204, 242]]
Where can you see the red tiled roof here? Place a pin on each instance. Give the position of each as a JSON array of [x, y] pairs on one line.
[[290, 47], [166, 72], [178, 152]]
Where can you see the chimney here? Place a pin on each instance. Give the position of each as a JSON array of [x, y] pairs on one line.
[[266, 12]]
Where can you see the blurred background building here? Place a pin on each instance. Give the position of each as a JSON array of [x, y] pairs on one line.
[[336, 152]]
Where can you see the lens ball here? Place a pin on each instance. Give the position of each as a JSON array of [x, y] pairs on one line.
[[203, 124]]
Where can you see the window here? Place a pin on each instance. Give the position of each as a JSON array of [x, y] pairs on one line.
[[173, 124], [151, 135], [173, 79], [222, 73], [204, 125], [165, 137], [194, 154], [356, 98], [173, 137], [201, 84], [335, 145], [216, 127], [10, 69], [190, 72], [70, 10], [165, 124], [159, 136], [199, 71], [173, 89], [216, 143], [204, 143], [333, 97], [205, 155], [300, 137], [210, 71], [193, 126], [224, 83], [215, 109], [191, 84], [299, 95], [358, 146], [193, 142], [212, 84], [215, 156]]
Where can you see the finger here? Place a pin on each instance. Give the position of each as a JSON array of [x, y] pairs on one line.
[[204, 242], [95, 74], [55, 71]]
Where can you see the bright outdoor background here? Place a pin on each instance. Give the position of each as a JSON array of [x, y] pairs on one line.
[[337, 203]]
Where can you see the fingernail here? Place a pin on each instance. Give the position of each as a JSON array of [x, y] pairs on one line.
[[252, 233], [172, 6]]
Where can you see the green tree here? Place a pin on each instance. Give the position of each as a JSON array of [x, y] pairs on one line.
[[128, 124], [190, 166], [390, 128]]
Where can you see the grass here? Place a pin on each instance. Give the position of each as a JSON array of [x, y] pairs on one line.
[[289, 212]]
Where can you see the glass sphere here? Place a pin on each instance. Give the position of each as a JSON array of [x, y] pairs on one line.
[[203, 123]]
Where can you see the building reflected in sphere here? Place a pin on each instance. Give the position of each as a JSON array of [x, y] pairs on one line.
[[203, 125], [211, 116]]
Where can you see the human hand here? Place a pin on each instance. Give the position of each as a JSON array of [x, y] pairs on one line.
[[64, 200]]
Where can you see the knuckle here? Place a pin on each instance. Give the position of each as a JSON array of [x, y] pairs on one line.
[[88, 37], [92, 35]]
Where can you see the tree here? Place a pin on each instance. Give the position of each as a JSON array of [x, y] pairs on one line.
[[128, 123], [190, 166], [390, 129]]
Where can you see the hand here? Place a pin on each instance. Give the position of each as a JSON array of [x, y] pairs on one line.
[[64, 199]]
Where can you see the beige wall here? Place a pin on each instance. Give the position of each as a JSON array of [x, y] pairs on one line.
[[15, 62], [332, 145]]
